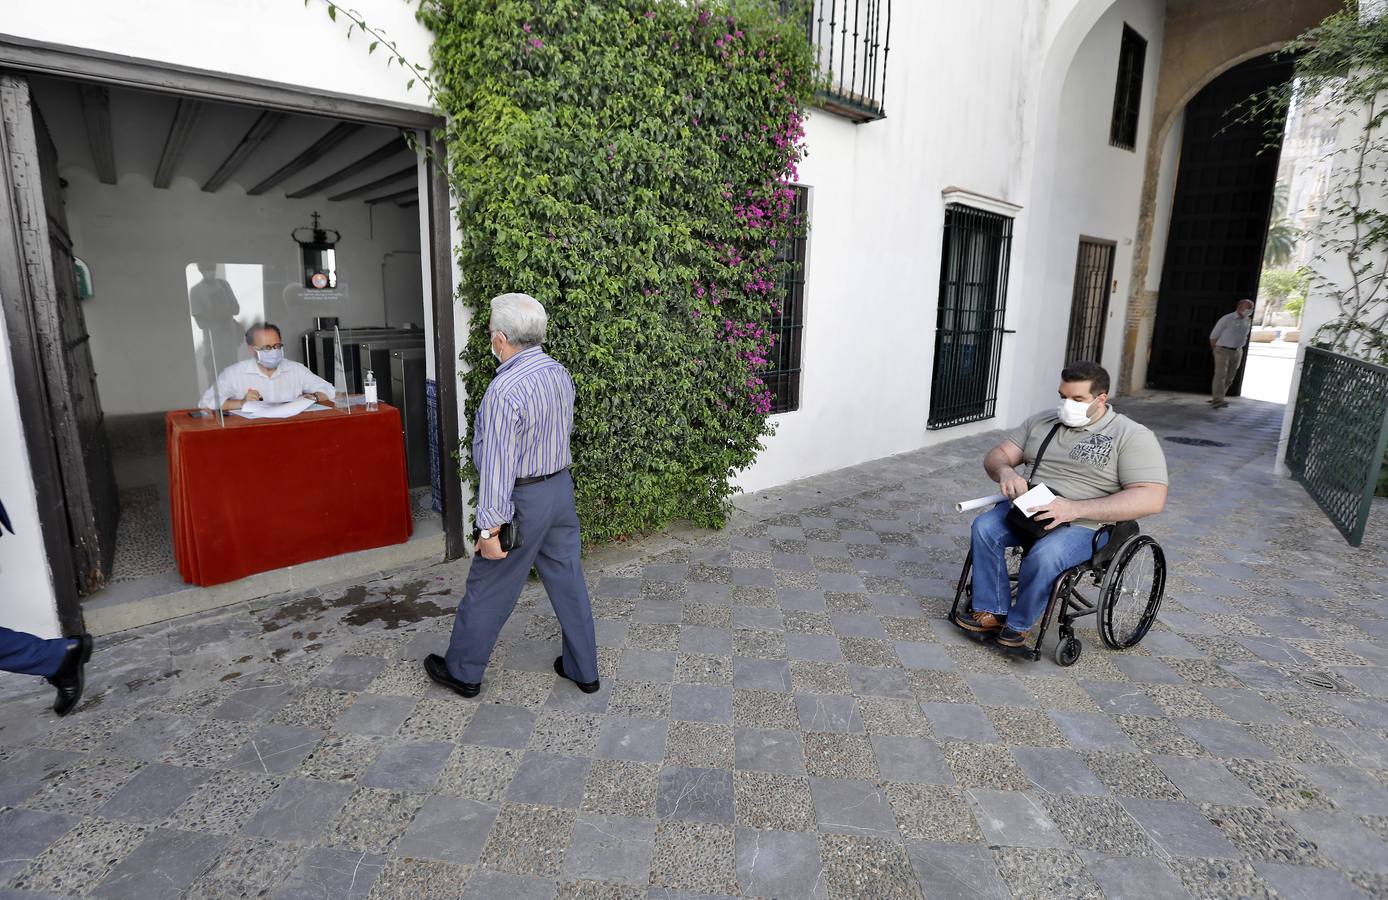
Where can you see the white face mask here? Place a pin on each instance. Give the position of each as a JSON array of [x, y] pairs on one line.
[[270, 359], [1073, 413]]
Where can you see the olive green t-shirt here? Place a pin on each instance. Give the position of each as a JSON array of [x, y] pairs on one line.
[[1091, 461]]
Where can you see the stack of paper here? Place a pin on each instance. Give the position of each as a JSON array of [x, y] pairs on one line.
[[263, 409]]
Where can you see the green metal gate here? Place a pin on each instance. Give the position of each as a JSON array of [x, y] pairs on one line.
[[1339, 435]]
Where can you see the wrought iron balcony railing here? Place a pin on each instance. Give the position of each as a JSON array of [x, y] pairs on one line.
[[852, 39]]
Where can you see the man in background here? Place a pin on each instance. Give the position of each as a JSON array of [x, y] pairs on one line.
[[267, 375], [1227, 341]]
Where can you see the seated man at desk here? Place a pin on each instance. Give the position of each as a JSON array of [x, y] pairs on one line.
[[267, 375]]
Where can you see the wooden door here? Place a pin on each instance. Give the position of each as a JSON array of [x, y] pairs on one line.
[[73, 404], [1219, 223], [1089, 305]]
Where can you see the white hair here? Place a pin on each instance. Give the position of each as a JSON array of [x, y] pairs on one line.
[[521, 318]]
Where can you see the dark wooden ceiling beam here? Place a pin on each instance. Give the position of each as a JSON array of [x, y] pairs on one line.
[[260, 130], [407, 172], [96, 113], [391, 148], [336, 135], [390, 198], [184, 121]]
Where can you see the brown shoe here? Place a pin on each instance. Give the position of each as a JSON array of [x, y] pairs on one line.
[[1009, 638], [980, 622]]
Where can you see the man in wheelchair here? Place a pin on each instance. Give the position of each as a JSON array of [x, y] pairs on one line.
[[1103, 468]]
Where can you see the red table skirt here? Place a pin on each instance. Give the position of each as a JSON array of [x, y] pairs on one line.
[[256, 495]]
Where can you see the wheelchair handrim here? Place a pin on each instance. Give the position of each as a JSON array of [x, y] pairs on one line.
[[1132, 593]]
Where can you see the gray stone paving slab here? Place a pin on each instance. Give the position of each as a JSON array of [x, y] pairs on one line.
[[298, 811], [165, 863], [452, 829], [784, 711]]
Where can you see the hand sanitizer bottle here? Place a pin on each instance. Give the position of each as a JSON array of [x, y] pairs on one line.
[[369, 388]]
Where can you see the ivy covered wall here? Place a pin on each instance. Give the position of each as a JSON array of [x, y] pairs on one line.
[[627, 163]]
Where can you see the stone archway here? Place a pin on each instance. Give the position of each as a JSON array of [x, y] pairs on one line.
[[1202, 41]]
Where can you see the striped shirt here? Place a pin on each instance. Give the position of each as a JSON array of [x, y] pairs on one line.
[[521, 430]]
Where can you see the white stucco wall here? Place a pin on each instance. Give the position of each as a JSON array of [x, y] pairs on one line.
[[283, 41], [968, 105], [1096, 193], [26, 582]]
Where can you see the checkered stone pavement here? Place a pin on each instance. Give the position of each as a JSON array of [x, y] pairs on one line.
[[785, 712]]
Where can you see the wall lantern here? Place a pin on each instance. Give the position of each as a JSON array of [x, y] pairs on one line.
[[319, 258]]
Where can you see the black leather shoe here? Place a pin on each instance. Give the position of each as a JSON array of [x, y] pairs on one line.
[[586, 687], [437, 670], [71, 676]]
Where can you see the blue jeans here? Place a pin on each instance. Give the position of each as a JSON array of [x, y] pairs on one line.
[[1053, 554]]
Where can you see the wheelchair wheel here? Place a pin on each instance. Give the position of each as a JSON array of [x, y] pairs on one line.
[[1131, 592], [1067, 651]]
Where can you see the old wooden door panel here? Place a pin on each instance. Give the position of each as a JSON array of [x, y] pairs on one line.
[[1219, 221], [74, 406]]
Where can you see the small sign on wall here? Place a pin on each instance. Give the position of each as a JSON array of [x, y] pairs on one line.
[[84, 279]]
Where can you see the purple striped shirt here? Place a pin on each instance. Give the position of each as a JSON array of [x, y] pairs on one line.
[[521, 430]]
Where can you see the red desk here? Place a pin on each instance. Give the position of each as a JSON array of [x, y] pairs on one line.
[[261, 494]]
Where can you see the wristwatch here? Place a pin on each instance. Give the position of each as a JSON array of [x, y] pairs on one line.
[[486, 534]]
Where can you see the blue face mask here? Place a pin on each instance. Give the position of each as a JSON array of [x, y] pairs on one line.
[[270, 359]]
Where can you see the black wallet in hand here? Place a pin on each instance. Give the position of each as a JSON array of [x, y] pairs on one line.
[[508, 534]]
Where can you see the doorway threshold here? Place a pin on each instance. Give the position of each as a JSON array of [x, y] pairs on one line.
[[149, 601]]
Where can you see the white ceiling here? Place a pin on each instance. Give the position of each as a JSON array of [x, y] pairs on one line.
[[140, 124]]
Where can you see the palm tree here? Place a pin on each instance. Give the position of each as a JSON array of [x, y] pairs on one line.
[[1282, 234]]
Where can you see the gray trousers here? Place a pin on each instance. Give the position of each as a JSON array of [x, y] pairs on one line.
[[550, 542], [1226, 366]]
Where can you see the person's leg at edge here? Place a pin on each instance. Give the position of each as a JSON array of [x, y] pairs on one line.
[[990, 538], [26, 654], [561, 570], [1050, 556], [493, 587]]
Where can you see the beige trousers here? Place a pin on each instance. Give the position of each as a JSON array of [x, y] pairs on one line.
[[1226, 366]]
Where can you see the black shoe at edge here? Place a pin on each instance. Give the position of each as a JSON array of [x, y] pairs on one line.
[[71, 677], [437, 670], [586, 687]]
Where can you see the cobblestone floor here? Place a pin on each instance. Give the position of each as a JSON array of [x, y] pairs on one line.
[[784, 713]]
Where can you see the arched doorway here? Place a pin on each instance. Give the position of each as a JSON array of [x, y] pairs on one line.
[[1219, 220]]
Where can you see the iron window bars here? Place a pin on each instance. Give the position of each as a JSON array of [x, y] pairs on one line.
[[1089, 307], [976, 251], [783, 376], [1127, 95]]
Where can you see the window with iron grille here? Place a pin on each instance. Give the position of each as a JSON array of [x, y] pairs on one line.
[[1127, 96], [783, 378], [977, 247], [1089, 305]]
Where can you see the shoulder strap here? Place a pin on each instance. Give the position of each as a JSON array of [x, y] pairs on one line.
[[1042, 451]]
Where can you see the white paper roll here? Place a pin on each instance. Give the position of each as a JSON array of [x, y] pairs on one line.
[[967, 505]]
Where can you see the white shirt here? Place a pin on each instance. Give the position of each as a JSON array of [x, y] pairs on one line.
[[288, 381], [1232, 330]]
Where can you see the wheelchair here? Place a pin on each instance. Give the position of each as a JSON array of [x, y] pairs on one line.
[[1129, 572]]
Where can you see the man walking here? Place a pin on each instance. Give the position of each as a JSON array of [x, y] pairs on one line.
[[1227, 341], [520, 445]]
